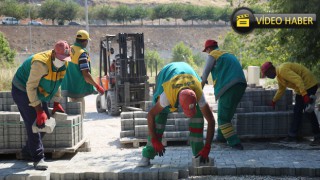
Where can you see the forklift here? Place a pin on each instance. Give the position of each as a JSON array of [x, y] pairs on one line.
[[122, 73]]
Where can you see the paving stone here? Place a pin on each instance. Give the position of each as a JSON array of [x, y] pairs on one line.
[[227, 170]]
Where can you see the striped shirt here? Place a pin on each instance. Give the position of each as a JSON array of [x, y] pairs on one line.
[[83, 62]]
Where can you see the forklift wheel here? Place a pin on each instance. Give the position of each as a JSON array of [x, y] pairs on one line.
[[98, 105]]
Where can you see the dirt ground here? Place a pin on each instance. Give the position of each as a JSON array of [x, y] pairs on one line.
[[27, 39]]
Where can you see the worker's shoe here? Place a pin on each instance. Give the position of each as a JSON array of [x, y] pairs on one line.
[[40, 165], [289, 139], [315, 142], [237, 146], [144, 162]]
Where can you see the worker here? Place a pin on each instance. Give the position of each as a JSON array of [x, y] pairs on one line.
[[229, 86], [35, 83], [305, 84], [178, 84], [78, 82]]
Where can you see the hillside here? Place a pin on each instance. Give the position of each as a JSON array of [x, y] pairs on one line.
[[160, 38]]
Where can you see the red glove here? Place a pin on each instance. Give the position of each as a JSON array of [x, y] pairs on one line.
[[100, 89], [158, 147], [57, 108], [41, 119], [306, 99], [204, 153], [273, 104]]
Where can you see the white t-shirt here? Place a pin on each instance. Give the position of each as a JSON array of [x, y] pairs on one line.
[[164, 102]]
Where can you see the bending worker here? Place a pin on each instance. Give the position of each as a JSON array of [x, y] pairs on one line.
[[35, 83], [178, 84], [229, 87], [305, 84]]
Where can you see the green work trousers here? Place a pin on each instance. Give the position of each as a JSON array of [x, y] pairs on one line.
[[227, 106]]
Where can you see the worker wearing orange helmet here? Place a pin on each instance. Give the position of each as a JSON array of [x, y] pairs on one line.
[[305, 84], [229, 87], [178, 84]]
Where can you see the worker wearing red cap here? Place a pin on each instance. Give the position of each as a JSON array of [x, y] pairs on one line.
[[305, 84], [178, 84], [229, 85]]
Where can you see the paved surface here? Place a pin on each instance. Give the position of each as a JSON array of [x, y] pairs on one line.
[[108, 159]]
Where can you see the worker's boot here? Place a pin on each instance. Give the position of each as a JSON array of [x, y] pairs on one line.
[[144, 162]]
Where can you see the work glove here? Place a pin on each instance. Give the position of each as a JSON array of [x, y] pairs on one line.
[[204, 153], [273, 104], [41, 119], [158, 147], [100, 89], [306, 99], [57, 108]]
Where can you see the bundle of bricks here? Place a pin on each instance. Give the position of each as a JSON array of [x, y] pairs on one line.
[[67, 133], [134, 128], [256, 118]]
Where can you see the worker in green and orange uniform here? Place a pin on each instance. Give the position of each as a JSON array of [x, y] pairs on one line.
[[229, 87], [78, 82], [35, 83], [178, 84], [305, 84]]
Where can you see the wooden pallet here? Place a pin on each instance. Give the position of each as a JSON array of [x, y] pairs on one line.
[[137, 141], [82, 146]]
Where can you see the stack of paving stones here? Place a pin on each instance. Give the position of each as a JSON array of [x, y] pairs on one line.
[[67, 133], [134, 126], [256, 118]]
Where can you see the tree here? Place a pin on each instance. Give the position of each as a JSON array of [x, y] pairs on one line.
[[6, 54], [211, 13], [175, 11], [50, 10], [225, 14], [68, 11], [153, 60], [140, 12], [183, 53], [160, 12], [12, 8], [192, 13], [122, 14], [104, 13]]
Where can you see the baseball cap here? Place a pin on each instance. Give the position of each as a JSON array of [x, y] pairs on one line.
[[209, 43], [264, 68], [188, 100], [83, 34], [62, 50]]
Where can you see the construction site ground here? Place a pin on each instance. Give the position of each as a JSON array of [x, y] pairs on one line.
[[109, 159]]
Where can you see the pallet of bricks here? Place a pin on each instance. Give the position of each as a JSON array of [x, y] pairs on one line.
[[67, 136], [256, 118], [134, 128]]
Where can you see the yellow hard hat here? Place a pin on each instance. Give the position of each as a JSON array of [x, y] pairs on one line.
[[83, 34]]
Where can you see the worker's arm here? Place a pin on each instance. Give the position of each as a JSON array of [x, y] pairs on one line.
[[210, 63], [207, 114], [155, 110], [279, 92], [38, 70], [88, 78]]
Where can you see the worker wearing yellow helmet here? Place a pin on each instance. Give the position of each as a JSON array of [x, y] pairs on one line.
[[78, 82]]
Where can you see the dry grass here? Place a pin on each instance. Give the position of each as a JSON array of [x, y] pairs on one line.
[[6, 76]]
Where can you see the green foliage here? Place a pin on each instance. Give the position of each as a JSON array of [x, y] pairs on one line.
[[104, 13], [183, 53], [140, 12], [6, 54], [50, 10], [122, 14], [68, 11], [192, 13], [153, 61], [12, 8]]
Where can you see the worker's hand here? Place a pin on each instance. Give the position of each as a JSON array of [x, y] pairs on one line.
[[100, 89], [57, 108], [158, 147], [204, 153], [306, 99], [41, 119]]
